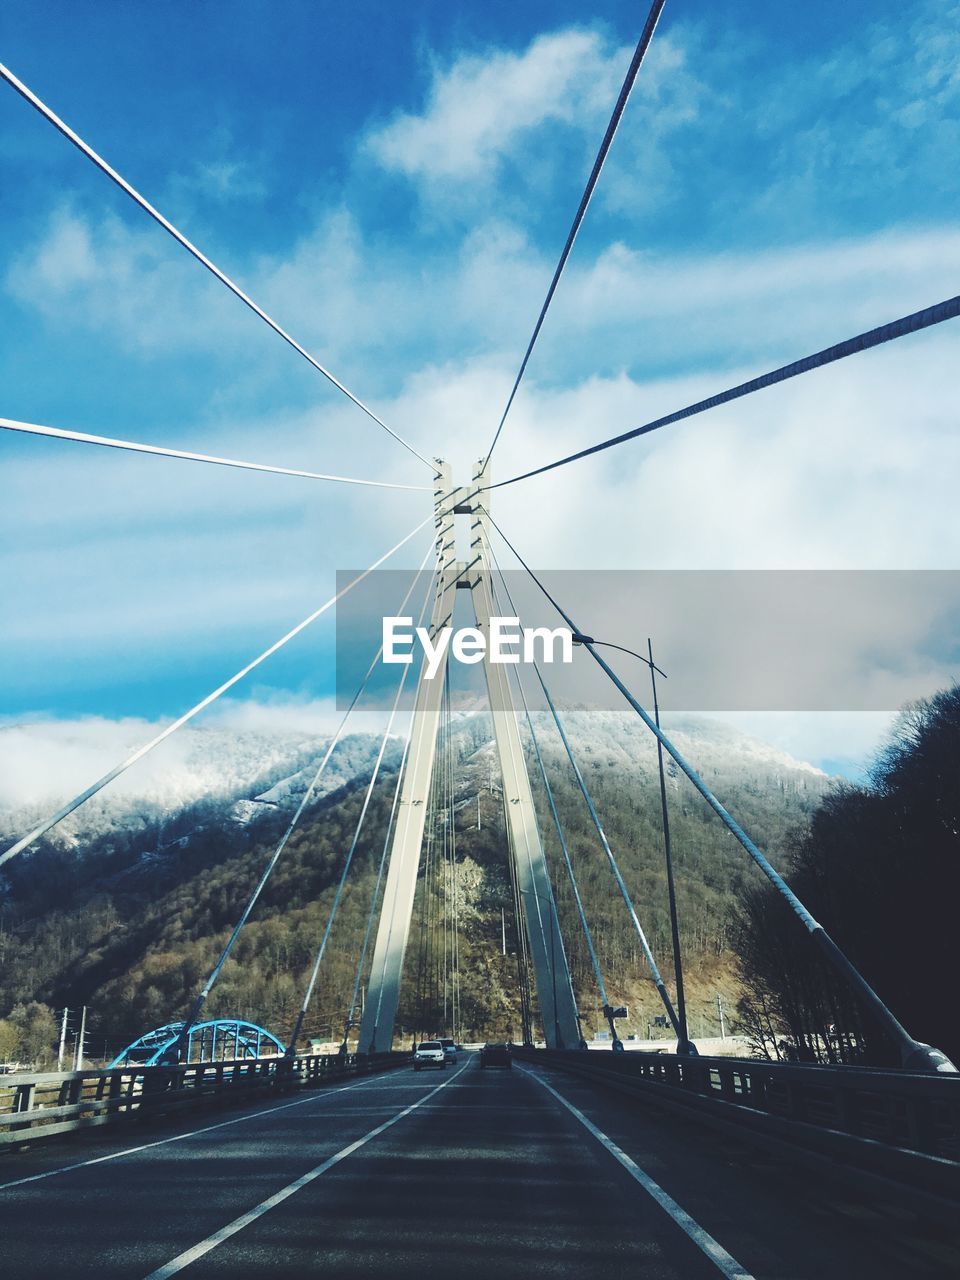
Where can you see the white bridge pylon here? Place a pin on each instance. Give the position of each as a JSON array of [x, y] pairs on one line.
[[555, 995]]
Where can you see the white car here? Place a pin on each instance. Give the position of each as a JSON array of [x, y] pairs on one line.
[[429, 1054]]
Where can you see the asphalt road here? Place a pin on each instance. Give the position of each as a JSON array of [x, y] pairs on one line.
[[459, 1173]]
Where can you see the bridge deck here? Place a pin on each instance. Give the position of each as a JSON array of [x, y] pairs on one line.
[[488, 1175]]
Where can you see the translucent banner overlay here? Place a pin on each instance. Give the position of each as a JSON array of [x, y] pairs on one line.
[[749, 640]]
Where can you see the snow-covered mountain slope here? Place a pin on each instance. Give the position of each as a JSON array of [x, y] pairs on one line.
[[42, 765], [240, 774]]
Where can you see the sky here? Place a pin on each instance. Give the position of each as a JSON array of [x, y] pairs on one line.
[[394, 183]]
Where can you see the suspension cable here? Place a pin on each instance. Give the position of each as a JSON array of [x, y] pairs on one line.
[[450, 876], [558, 826], [914, 1054], [588, 935], [444, 552], [649, 27], [621, 883], [131, 446], [308, 795], [445, 865], [371, 915], [455, 951], [171, 728], [425, 950], [308, 995], [192, 249], [925, 319], [520, 765], [523, 959]]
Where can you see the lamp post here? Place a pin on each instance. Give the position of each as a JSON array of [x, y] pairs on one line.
[[684, 1044]]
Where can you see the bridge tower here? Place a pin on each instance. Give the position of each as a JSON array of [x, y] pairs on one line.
[[551, 974]]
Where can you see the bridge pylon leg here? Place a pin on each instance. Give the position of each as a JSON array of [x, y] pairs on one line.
[[551, 973], [383, 990], [558, 1009]]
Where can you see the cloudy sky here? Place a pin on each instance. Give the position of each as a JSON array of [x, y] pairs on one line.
[[394, 183]]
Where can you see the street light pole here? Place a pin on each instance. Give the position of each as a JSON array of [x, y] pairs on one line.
[[685, 1045], [683, 1040]]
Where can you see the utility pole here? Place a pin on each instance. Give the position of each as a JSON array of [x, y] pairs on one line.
[[503, 932], [723, 1033], [81, 1036], [478, 810], [63, 1039]]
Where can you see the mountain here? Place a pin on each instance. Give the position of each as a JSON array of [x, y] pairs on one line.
[[126, 907], [233, 771]]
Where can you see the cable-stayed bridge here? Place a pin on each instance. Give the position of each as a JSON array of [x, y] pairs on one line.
[[219, 1147]]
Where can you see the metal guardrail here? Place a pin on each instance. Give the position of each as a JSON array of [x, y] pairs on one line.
[[889, 1128], [36, 1106]]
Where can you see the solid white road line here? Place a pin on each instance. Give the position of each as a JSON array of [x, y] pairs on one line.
[[725, 1264], [180, 1137], [205, 1246]]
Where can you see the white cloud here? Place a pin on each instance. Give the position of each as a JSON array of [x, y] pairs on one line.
[[876, 113], [848, 467], [45, 761], [845, 742], [128, 280], [521, 116], [482, 105], [851, 466]]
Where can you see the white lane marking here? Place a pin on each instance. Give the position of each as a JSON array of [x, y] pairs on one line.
[[184, 1259], [725, 1264], [179, 1137]]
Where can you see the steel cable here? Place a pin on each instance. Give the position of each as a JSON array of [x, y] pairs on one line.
[[308, 795], [914, 323], [132, 759], [605, 843], [192, 249], [913, 1053], [588, 935], [131, 446], [371, 915], [649, 27], [348, 861]]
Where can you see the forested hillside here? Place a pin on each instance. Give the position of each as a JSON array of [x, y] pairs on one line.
[[130, 920], [879, 866]]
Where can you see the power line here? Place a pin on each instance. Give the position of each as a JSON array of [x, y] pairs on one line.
[[925, 319], [643, 44], [191, 248], [107, 778], [131, 446]]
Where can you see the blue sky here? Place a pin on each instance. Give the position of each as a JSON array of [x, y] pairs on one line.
[[394, 182]]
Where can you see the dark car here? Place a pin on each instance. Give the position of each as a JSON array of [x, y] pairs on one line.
[[495, 1055]]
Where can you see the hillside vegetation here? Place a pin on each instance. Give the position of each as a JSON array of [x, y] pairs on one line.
[[129, 921], [879, 866]]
